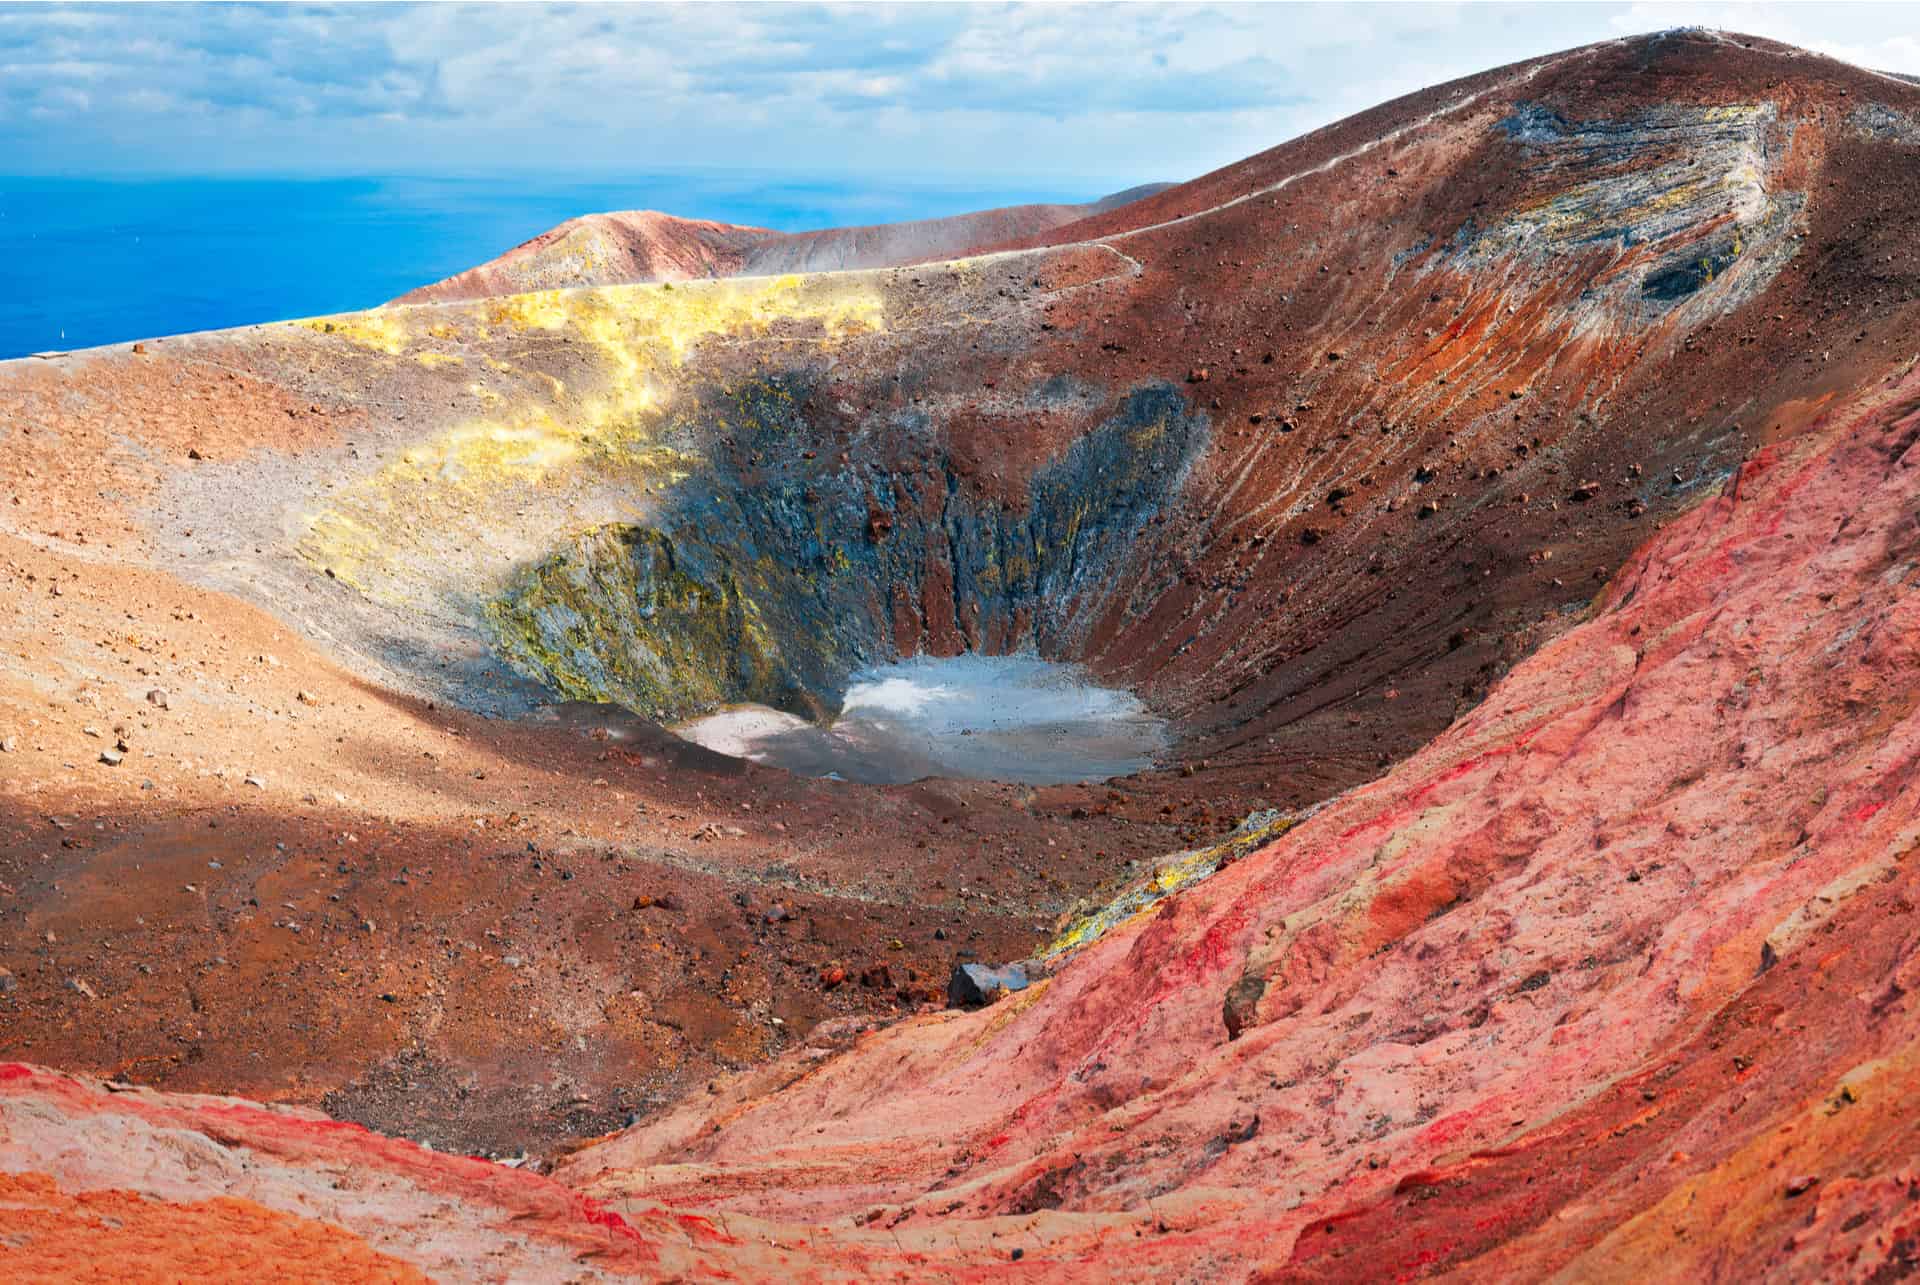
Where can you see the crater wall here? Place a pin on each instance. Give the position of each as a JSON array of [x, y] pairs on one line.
[[775, 589]]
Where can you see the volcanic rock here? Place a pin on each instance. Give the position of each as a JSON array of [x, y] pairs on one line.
[[646, 245], [1492, 1007], [972, 985]]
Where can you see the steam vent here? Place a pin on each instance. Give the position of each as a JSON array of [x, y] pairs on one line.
[[1349, 719]]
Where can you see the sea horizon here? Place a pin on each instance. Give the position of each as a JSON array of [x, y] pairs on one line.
[[104, 259]]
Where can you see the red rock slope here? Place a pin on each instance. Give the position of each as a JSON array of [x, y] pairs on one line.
[[108, 1182], [1613, 978], [645, 245]]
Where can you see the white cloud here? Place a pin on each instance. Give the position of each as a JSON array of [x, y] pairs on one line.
[[1881, 37], [1119, 93]]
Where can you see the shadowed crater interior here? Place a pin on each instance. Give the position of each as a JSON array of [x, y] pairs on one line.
[[779, 617]]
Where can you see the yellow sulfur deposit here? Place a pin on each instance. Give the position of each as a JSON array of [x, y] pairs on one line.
[[543, 441]]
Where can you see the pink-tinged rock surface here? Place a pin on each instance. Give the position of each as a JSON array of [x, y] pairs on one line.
[[1612, 979], [389, 1206], [111, 1182]]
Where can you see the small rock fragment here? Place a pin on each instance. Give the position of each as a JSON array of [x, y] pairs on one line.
[[157, 697], [1241, 1004], [973, 985], [112, 758]]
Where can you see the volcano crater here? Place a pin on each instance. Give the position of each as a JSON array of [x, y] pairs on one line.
[[857, 623]]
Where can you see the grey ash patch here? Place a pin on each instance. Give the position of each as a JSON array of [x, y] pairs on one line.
[[416, 1096], [1691, 195], [1884, 123], [1534, 123]]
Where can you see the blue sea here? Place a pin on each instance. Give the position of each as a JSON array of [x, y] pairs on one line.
[[94, 261]]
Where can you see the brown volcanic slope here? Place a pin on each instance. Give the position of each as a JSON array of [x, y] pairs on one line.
[[645, 245], [602, 249], [889, 245], [1596, 368]]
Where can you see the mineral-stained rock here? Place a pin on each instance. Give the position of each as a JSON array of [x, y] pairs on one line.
[[186, 1187], [1609, 1088], [1586, 946]]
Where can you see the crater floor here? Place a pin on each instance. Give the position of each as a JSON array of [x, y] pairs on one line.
[[987, 718]]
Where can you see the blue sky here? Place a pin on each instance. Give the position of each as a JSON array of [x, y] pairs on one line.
[[1124, 93]]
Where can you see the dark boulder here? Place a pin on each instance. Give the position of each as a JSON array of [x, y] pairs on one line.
[[973, 985]]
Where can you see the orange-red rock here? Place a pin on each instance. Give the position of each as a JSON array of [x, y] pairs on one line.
[[1612, 978], [1592, 954]]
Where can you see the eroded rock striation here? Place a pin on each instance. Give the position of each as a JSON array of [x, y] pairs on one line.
[[1607, 980], [799, 576], [1506, 494]]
